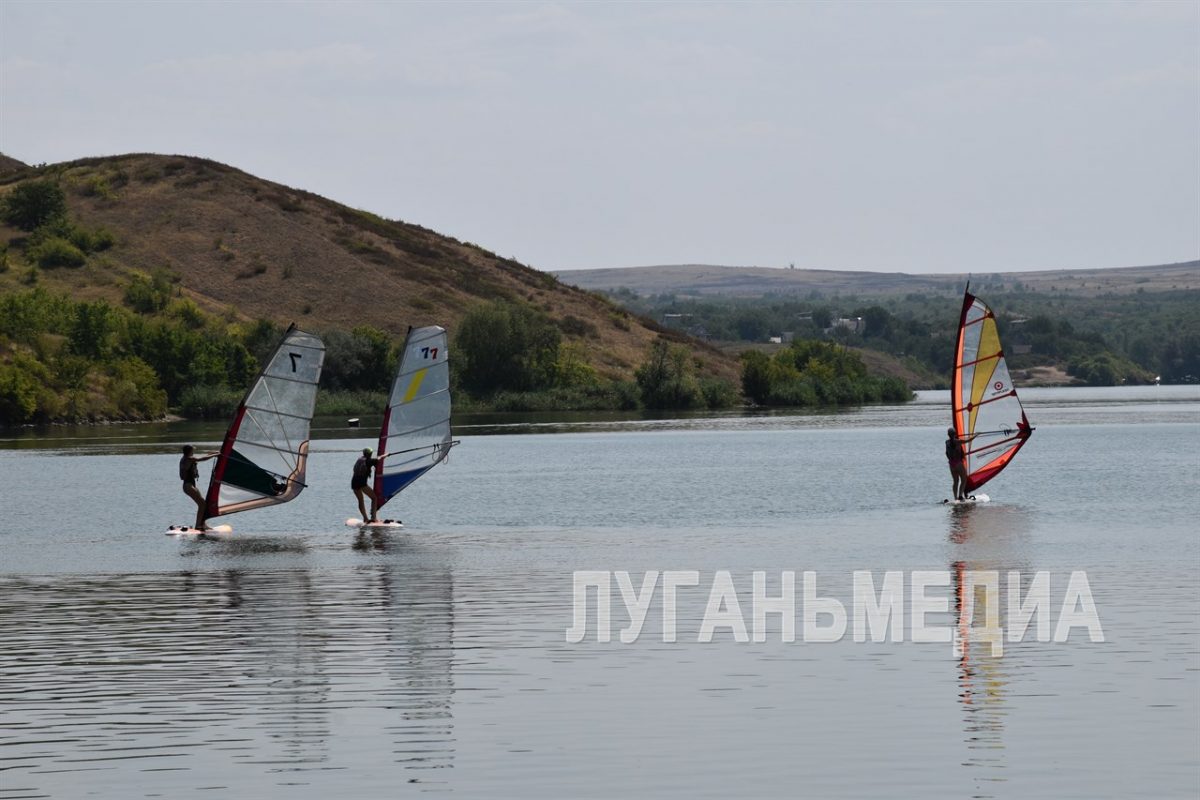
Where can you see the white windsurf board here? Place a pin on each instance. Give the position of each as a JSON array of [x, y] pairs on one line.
[[970, 501], [383, 524], [188, 532]]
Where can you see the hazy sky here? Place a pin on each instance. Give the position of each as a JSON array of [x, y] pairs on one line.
[[921, 137]]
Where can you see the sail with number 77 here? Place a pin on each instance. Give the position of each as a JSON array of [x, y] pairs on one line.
[[415, 435], [987, 411]]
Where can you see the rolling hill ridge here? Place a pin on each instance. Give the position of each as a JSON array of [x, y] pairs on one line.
[[249, 248], [702, 280]]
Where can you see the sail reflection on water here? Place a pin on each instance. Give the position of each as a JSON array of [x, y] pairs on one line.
[[241, 678], [991, 539]]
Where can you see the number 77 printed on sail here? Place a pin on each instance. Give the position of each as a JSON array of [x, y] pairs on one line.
[[987, 412], [263, 458], [415, 435]]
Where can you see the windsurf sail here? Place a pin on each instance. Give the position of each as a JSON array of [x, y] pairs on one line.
[[415, 436], [987, 410], [263, 457]]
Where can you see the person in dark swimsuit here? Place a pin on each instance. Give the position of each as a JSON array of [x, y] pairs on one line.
[[189, 473], [360, 480], [956, 455]]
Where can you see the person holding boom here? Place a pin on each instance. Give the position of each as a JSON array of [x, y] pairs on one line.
[[957, 456], [189, 473], [359, 481]]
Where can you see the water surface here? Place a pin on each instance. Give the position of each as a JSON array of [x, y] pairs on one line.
[[304, 658]]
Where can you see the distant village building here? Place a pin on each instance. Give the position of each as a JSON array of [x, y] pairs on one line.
[[775, 339], [852, 324], [683, 322], [787, 337], [1022, 349]]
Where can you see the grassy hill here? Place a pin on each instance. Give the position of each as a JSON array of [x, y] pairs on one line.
[[9, 164], [697, 280], [246, 248]]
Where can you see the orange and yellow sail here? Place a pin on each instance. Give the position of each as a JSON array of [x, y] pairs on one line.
[[986, 408]]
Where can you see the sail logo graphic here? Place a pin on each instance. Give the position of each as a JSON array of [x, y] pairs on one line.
[[998, 386]]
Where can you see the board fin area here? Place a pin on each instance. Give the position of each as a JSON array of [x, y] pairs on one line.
[[188, 532], [382, 524], [970, 501]]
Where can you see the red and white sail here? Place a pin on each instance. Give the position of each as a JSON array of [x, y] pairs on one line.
[[985, 402]]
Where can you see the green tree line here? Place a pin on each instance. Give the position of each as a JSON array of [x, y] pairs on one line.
[[67, 360], [1101, 339]]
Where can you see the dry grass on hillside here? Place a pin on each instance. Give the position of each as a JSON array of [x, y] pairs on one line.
[[251, 248]]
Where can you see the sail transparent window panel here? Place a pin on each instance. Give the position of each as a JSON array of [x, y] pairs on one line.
[[269, 446]]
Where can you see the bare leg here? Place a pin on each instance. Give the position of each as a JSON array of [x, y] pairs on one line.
[[374, 501], [358, 493], [201, 506]]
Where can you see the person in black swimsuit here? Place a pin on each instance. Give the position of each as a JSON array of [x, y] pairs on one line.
[[956, 455], [189, 473], [361, 478]]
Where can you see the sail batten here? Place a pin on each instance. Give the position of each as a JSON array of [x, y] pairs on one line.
[[984, 402], [415, 435], [263, 458]]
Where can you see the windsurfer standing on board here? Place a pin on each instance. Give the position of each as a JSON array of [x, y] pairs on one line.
[[189, 473], [958, 462], [358, 481]]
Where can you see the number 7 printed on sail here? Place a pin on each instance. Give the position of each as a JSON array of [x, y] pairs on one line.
[[263, 459], [987, 411]]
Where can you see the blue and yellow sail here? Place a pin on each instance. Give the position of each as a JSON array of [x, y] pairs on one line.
[[415, 435]]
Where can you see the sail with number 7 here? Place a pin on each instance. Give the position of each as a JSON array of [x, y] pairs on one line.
[[263, 458], [986, 408], [415, 436]]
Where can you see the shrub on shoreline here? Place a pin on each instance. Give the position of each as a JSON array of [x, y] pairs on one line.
[[816, 373]]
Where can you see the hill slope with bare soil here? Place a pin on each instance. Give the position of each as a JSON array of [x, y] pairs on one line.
[[250, 248]]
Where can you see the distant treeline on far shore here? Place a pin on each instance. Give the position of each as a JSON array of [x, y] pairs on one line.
[[1099, 339]]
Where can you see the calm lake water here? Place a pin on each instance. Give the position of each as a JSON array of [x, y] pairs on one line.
[[303, 659]]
